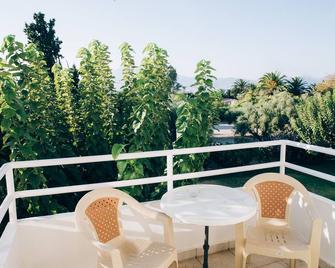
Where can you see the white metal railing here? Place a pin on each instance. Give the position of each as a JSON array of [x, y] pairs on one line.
[[9, 203]]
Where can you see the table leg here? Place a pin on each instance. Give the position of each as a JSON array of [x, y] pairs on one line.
[[206, 247], [239, 244]]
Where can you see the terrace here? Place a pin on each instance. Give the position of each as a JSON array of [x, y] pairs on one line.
[[54, 241]]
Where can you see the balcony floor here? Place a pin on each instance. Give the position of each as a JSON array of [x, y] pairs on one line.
[[226, 259]]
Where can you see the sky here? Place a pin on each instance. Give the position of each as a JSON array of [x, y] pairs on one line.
[[241, 38]]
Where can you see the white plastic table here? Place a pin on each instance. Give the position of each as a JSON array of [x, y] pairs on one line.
[[210, 205]]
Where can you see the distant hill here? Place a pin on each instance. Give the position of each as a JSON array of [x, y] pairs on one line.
[[312, 80], [326, 83], [329, 77], [187, 81], [220, 83], [226, 83]]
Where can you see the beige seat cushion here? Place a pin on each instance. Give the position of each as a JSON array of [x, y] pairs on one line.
[[154, 255], [278, 240]]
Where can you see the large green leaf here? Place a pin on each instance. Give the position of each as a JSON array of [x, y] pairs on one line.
[[116, 150]]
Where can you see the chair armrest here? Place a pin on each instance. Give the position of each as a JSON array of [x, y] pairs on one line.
[[168, 228], [158, 216], [108, 253]]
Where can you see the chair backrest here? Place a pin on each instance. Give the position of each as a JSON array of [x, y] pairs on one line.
[[97, 214], [273, 192]]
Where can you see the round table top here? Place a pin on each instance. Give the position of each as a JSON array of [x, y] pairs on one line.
[[211, 205]]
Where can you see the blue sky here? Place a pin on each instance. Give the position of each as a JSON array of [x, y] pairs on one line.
[[241, 38]]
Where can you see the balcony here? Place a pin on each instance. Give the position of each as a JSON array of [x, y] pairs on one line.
[[53, 241]]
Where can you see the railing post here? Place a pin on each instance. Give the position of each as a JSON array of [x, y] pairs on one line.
[[282, 157], [11, 191], [169, 171]]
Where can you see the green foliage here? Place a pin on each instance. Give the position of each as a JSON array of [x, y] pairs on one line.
[[222, 109], [272, 82], [128, 67], [29, 121], [195, 119], [173, 76], [63, 81], [149, 117], [42, 34], [14, 118], [267, 117], [97, 99], [127, 97], [265, 110], [297, 86], [315, 121], [116, 150], [229, 115], [75, 86], [239, 87]]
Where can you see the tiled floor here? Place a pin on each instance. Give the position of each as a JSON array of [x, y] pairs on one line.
[[226, 259]]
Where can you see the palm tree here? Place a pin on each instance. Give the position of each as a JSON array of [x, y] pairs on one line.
[[311, 89], [252, 87], [297, 86], [271, 82], [240, 86]]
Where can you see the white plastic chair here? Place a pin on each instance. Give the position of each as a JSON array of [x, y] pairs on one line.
[[273, 236], [97, 217]]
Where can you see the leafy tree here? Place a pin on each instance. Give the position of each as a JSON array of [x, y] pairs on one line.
[[97, 99], [39, 98], [128, 67], [195, 119], [43, 35], [150, 117], [173, 76], [240, 86], [297, 86], [63, 80], [75, 85], [28, 121], [267, 117], [315, 121], [312, 88], [272, 82], [151, 112], [126, 99]]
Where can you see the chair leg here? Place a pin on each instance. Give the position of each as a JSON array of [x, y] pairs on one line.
[[239, 244], [174, 264], [99, 265], [292, 263], [314, 263], [244, 261]]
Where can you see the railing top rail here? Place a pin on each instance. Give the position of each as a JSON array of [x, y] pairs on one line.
[[139, 155], [309, 147]]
